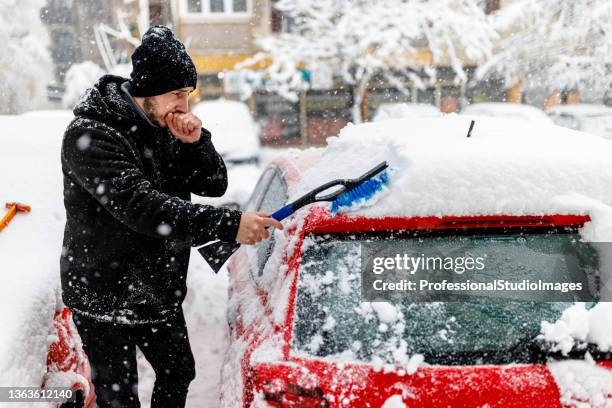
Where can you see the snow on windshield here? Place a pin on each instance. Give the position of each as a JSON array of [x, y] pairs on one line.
[[331, 320]]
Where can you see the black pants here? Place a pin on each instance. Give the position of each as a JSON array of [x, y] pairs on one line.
[[111, 349]]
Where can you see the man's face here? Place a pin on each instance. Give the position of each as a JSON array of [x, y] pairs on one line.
[[157, 107]]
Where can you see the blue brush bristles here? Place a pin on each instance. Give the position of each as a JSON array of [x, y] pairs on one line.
[[361, 193]]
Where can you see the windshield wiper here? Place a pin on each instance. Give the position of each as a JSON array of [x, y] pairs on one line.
[[530, 349]]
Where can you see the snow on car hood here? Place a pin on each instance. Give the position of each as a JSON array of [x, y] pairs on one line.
[[505, 167], [234, 133]]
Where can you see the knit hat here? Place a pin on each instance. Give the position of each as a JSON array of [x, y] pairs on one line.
[[160, 64]]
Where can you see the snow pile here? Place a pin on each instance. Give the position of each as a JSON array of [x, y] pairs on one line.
[[581, 325], [583, 384], [505, 167]]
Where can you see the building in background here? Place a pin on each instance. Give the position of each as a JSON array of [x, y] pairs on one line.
[[222, 33], [219, 34], [70, 24]]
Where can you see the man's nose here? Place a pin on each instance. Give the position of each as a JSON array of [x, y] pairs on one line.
[[183, 106]]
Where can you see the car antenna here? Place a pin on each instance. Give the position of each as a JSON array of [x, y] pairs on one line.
[[470, 129]]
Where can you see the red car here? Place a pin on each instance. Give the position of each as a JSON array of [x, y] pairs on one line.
[[67, 363], [302, 337]]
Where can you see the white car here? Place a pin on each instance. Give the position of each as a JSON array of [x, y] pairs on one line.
[[508, 110], [595, 119], [65, 114], [234, 132], [405, 110]]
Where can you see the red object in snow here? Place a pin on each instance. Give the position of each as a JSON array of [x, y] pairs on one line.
[[67, 363], [297, 380]]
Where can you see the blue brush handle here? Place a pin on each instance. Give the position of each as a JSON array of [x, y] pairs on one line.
[[283, 212]]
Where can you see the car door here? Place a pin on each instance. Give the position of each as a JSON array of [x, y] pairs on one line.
[[269, 194]]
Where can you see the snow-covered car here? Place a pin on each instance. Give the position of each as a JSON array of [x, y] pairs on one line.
[[61, 114], [39, 345], [234, 132], [405, 110], [67, 364], [508, 110], [596, 119], [303, 336]]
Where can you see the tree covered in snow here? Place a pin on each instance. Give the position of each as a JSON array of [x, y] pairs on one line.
[[357, 39], [555, 43], [25, 66]]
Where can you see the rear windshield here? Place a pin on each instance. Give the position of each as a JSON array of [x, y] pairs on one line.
[[331, 319]]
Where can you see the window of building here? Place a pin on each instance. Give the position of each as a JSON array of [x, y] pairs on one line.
[[218, 7], [283, 23]]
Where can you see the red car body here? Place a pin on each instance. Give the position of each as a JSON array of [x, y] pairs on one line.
[[67, 359], [280, 379]]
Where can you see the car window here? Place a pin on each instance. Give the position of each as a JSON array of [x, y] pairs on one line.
[[260, 189], [274, 197], [331, 318]]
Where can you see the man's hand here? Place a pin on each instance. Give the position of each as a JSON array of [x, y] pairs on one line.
[[184, 126], [253, 225]]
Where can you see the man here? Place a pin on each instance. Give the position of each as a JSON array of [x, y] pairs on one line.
[[130, 160]]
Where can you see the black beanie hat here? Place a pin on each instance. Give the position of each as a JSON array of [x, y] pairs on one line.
[[160, 64]]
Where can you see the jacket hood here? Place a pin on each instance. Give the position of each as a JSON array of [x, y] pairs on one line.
[[107, 102]]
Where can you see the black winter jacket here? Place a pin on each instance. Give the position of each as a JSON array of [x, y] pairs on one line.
[[129, 219]]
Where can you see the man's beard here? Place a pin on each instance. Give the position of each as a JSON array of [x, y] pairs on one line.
[[149, 108]]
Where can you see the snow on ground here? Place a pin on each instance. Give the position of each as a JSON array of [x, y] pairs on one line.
[[29, 262], [204, 308]]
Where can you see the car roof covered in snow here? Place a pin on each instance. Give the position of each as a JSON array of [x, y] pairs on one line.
[[508, 110], [405, 110], [582, 109], [506, 167]]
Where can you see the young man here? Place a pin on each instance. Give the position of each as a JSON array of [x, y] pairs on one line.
[[131, 159]]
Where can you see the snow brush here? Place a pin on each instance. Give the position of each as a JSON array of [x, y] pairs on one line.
[[350, 193]]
